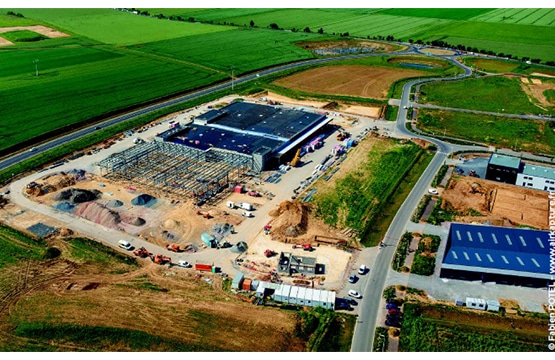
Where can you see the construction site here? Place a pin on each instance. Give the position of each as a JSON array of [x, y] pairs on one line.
[[175, 196]]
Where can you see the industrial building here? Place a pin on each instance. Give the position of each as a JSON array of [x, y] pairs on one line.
[[511, 256], [290, 264], [503, 168], [268, 134], [536, 177], [216, 149], [296, 295]]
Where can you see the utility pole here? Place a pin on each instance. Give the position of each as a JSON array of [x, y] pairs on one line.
[[36, 62], [232, 78]]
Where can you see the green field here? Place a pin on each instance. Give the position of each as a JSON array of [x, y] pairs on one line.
[[78, 84], [535, 136], [441, 328], [494, 94], [245, 50], [114, 27]]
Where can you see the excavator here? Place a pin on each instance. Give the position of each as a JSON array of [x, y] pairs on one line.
[[174, 248], [160, 259], [141, 252]]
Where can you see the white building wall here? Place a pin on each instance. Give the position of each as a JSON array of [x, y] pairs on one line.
[[535, 182]]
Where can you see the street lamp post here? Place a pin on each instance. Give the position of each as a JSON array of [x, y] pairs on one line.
[[232, 84], [36, 62]]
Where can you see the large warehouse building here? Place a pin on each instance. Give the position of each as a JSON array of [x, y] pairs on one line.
[[268, 134], [496, 254]]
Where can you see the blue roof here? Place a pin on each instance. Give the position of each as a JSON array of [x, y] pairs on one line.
[[499, 250]]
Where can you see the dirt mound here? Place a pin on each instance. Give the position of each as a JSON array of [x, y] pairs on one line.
[[144, 200], [77, 196], [99, 214], [291, 219], [171, 224], [113, 203]]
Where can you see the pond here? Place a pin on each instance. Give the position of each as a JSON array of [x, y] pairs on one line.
[[420, 66]]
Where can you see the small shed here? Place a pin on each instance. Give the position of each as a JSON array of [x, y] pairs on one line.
[[492, 305], [459, 302], [475, 303], [238, 281]]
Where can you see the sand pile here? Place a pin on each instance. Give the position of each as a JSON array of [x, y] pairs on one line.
[[113, 203], [99, 214], [171, 224], [291, 219], [77, 195]]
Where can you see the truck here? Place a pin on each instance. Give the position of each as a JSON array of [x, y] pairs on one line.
[[246, 206]]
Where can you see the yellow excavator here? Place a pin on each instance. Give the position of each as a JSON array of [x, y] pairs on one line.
[[296, 159]]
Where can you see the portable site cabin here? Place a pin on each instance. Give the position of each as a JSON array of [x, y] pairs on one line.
[[282, 293], [237, 282], [475, 303], [492, 305], [300, 298], [208, 239], [308, 294]]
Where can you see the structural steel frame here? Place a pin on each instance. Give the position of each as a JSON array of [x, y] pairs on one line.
[[177, 169]]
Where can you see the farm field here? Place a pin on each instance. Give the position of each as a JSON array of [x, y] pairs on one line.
[[114, 27], [244, 50], [522, 135], [508, 66], [520, 32], [76, 85], [486, 94], [445, 328]]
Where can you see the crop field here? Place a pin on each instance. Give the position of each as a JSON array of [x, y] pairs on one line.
[[77, 84], [494, 94], [540, 17], [450, 13], [535, 136], [244, 50], [114, 27], [442, 328]]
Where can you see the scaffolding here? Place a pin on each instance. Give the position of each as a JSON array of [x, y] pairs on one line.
[[177, 169]]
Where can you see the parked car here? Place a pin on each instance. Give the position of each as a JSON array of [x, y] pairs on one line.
[[362, 269], [392, 323], [125, 245], [97, 128], [353, 293], [350, 301], [432, 191], [184, 264], [391, 306], [394, 311], [246, 214], [352, 278]]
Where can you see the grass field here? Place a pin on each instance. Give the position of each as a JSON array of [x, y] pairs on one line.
[[441, 328], [373, 180], [520, 135], [486, 94]]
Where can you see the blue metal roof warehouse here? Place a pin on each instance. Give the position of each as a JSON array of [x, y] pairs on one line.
[[491, 253]]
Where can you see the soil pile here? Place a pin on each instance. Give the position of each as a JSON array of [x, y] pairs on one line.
[[99, 214], [291, 220], [113, 203], [144, 200], [77, 196]]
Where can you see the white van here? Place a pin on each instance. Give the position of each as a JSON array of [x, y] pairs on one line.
[[124, 245]]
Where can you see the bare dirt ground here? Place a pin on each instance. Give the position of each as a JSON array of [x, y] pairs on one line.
[[40, 29], [438, 51], [536, 90], [347, 44], [501, 204], [356, 80]]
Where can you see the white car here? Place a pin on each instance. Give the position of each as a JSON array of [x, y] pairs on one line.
[[246, 214], [362, 269], [432, 191], [33, 149], [124, 245], [184, 264], [353, 293]]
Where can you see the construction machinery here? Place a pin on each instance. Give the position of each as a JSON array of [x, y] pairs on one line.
[[160, 259], [269, 253], [305, 247], [341, 136], [141, 252], [297, 158], [174, 248]]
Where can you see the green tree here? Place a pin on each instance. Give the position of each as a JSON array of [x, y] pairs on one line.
[[251, 23]]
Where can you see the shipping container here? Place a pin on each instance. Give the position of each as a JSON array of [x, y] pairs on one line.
[[247, 284]]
